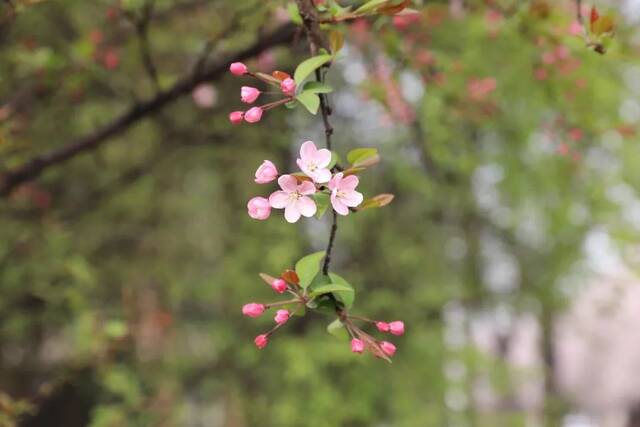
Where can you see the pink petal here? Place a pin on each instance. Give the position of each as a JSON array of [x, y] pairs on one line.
[[352, 198], [288, 183], [302, 165], [306, 188], [321, 176], [335, 181], [349, 183], [308, 151], [338, 206], [291, 213], [322, 158], [306, 206], [279, 199]]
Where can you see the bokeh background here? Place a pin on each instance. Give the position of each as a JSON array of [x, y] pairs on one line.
[[510, 251]]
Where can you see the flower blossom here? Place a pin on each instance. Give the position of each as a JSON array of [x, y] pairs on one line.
[[253, 115], [397, 327], [279, 286], [281, 317], [357, 346], [343, 194], [294, 198], [249, 94], [314, 162], [238, 68], [388, 348], [259, 208], [267, 172], [253, 309], [288, 87], [261, 341]]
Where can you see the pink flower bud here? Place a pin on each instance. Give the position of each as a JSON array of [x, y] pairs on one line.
[[397, 327], [357, 346], [382, 326], [388, 348], [279, 285], [267, 172], [288, 87], [236, 117], [253, 309], [238, 68], [253, 115], [259, 208], [249, 94], [261, 341], [281, 317]]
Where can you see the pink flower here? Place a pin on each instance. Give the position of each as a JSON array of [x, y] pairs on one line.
[[294, 198], [388, 348], [343, 194], [236, 117], [288, 87], [238, 68], [267, 172], [204, 96], [253, 309], [397, 327], [249, 94], [259, 208], [357, 346], [253, 115], [314, 162], [279, 286], [261, 341], [281, 317], [382, 326]]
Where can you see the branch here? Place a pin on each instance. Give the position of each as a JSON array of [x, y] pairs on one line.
[[34, 167]]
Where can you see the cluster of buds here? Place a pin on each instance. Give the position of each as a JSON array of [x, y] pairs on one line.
[[298, 189], [361, 341], [248, 94]]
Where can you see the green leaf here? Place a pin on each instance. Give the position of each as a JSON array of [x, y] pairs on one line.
[[308, 66], [346, 298], [115, 329], [311, 101], [377, 201], [370, 6], [363, 156], [337, 329], [330, 288], [308, 267], [294, 13], [317, 87], [336, 41], [334, 159], [322, 202]]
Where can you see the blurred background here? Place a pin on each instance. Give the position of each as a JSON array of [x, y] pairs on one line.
[[510, 251]]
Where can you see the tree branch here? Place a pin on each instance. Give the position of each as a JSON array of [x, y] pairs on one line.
[[34, 167]]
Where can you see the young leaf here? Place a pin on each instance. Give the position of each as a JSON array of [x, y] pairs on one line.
[[330, 288], [291, 277], [336, 41], [370, 6], [308, 66], [308, 267], [280, 75], [337, 329], [334, 159], [377, 201], [346, 298], [317, 87], [294, 13], [363, 157], [311, 101], [268, 279], [322, 203]]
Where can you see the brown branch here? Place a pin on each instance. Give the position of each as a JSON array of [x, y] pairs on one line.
[[140, 110]]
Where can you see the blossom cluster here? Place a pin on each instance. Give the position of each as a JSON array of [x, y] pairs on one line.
[[360, 340], [250, 94], [296, 190]]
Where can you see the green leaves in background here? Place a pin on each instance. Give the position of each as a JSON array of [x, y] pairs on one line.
[[308, 267], [347, 295], [363, 157]]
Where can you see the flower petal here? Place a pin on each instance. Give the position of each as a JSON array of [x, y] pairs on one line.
[[335, 181], [352, 198], [349, 183], [306, 206], [322, 158], [321, 176], [291, 213], [308, 151], [279, 199], [338, 206], [288, 183], [306, 188]]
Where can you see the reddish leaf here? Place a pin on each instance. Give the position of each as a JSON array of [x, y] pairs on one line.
[[280, 75], [594, 15], [290, 276]]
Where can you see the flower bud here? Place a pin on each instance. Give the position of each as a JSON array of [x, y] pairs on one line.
[[357, 346], [382, 326], [397, 327], [249, 94], [388, 348], [288, 87], [253, 115], [259, 208], [261, 341], [279, 285], [253, 309], [236, 117], [238, 68], [281, 317], [267, 172]]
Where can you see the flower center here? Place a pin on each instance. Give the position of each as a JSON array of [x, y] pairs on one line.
[[312, 167]]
